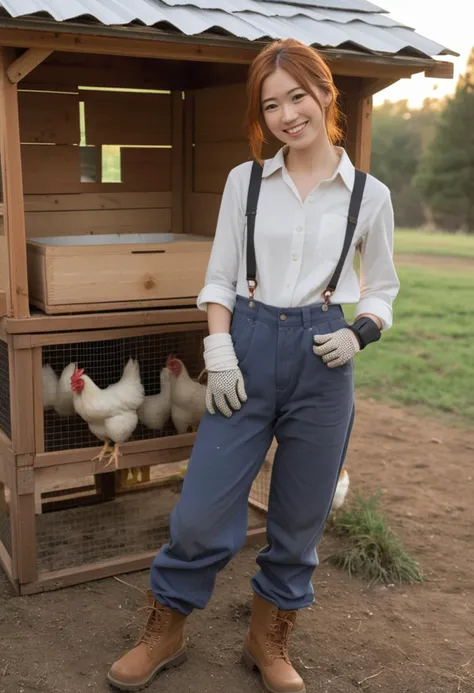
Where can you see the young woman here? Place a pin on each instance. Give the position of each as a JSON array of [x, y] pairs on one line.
[[279, 357]]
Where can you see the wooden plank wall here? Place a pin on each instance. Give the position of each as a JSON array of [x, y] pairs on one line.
[[219, 144], [57, 202]]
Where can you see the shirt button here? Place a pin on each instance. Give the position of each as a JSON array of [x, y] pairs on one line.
[[311, 200], [299, 229], [294, 257], [283, 316]]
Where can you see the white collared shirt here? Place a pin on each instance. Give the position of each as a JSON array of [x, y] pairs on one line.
[[298, 243]]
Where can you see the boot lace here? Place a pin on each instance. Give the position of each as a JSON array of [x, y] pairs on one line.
[[154, 625], [277, 638]]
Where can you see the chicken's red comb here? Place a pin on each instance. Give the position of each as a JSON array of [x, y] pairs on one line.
[[171, 357], [77, 372]]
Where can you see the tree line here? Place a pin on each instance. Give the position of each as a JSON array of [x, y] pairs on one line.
[[426, 157]]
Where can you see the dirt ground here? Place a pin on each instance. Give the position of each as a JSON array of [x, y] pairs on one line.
[[396, 639], [443, 262]]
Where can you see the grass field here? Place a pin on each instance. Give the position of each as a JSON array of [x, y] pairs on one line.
[[427, 358], [448, 244]]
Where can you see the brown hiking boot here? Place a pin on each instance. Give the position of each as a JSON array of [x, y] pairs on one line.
[[160, 647], [266, 647]]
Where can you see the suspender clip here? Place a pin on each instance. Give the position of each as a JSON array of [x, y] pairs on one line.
[[252, 284], [327, 295]]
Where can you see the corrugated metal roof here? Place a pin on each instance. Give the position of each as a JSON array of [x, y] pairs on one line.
[[355, 24]]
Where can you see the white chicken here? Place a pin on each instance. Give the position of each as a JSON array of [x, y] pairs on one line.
[[188, 397], [156, 409], [111, 413], [64, 405], [50, 384], [341, 490]]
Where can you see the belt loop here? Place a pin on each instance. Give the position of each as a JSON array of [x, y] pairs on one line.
[[306, 310]]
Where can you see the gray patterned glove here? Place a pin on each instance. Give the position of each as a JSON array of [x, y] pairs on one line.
[[225, 383], [336, 348], [225, 388]]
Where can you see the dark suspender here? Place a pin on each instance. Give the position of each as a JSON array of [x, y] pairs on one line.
[[354, 209], [251, 213]]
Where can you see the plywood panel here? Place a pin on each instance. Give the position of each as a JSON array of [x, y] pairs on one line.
[[56, 169], [113, 200], [213, 161], [204, 212], [51, 169], [146, 169], [219, 114], [127, 118], [49, 117], [79, 222]]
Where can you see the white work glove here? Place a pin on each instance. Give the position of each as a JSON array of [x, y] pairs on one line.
[[336, 348], [225, 383]]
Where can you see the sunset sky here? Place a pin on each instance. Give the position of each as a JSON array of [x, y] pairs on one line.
[[449, 23]]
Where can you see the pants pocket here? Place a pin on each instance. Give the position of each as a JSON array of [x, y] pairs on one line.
[[242, 331]]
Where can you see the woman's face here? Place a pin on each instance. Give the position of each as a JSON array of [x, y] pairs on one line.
[[291, 114]]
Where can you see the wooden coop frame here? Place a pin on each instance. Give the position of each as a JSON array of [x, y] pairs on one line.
[[206, 141]]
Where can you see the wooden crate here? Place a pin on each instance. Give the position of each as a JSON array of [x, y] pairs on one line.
[[112, 271]]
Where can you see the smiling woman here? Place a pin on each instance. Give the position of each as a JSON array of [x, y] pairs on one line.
[[279, 361]]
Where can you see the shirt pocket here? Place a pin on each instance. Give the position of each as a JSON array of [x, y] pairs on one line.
[[332, 231]]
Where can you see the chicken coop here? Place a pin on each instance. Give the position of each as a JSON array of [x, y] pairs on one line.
[[118, 129]]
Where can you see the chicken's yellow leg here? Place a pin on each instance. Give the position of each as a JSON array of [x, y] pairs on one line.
[[105, 451], [114, 456]]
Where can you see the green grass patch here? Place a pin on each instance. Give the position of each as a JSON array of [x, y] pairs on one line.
[[424, 243], [372, 550], [426, 358]]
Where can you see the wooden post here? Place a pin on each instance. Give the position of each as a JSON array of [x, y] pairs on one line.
[[23, 525], [13, 188], [177, 178], [22, 400], [359, 129]]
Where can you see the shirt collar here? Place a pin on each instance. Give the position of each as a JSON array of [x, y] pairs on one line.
[[345, 168]]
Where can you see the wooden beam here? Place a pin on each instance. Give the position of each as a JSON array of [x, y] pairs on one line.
[[151, 44], [14, 217], [26, 63], [42, 324], [440, 69]]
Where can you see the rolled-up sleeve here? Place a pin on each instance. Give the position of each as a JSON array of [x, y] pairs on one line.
[[379, 282], [222, 271]]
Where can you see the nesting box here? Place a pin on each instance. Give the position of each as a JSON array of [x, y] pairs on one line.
[[109, 272]]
